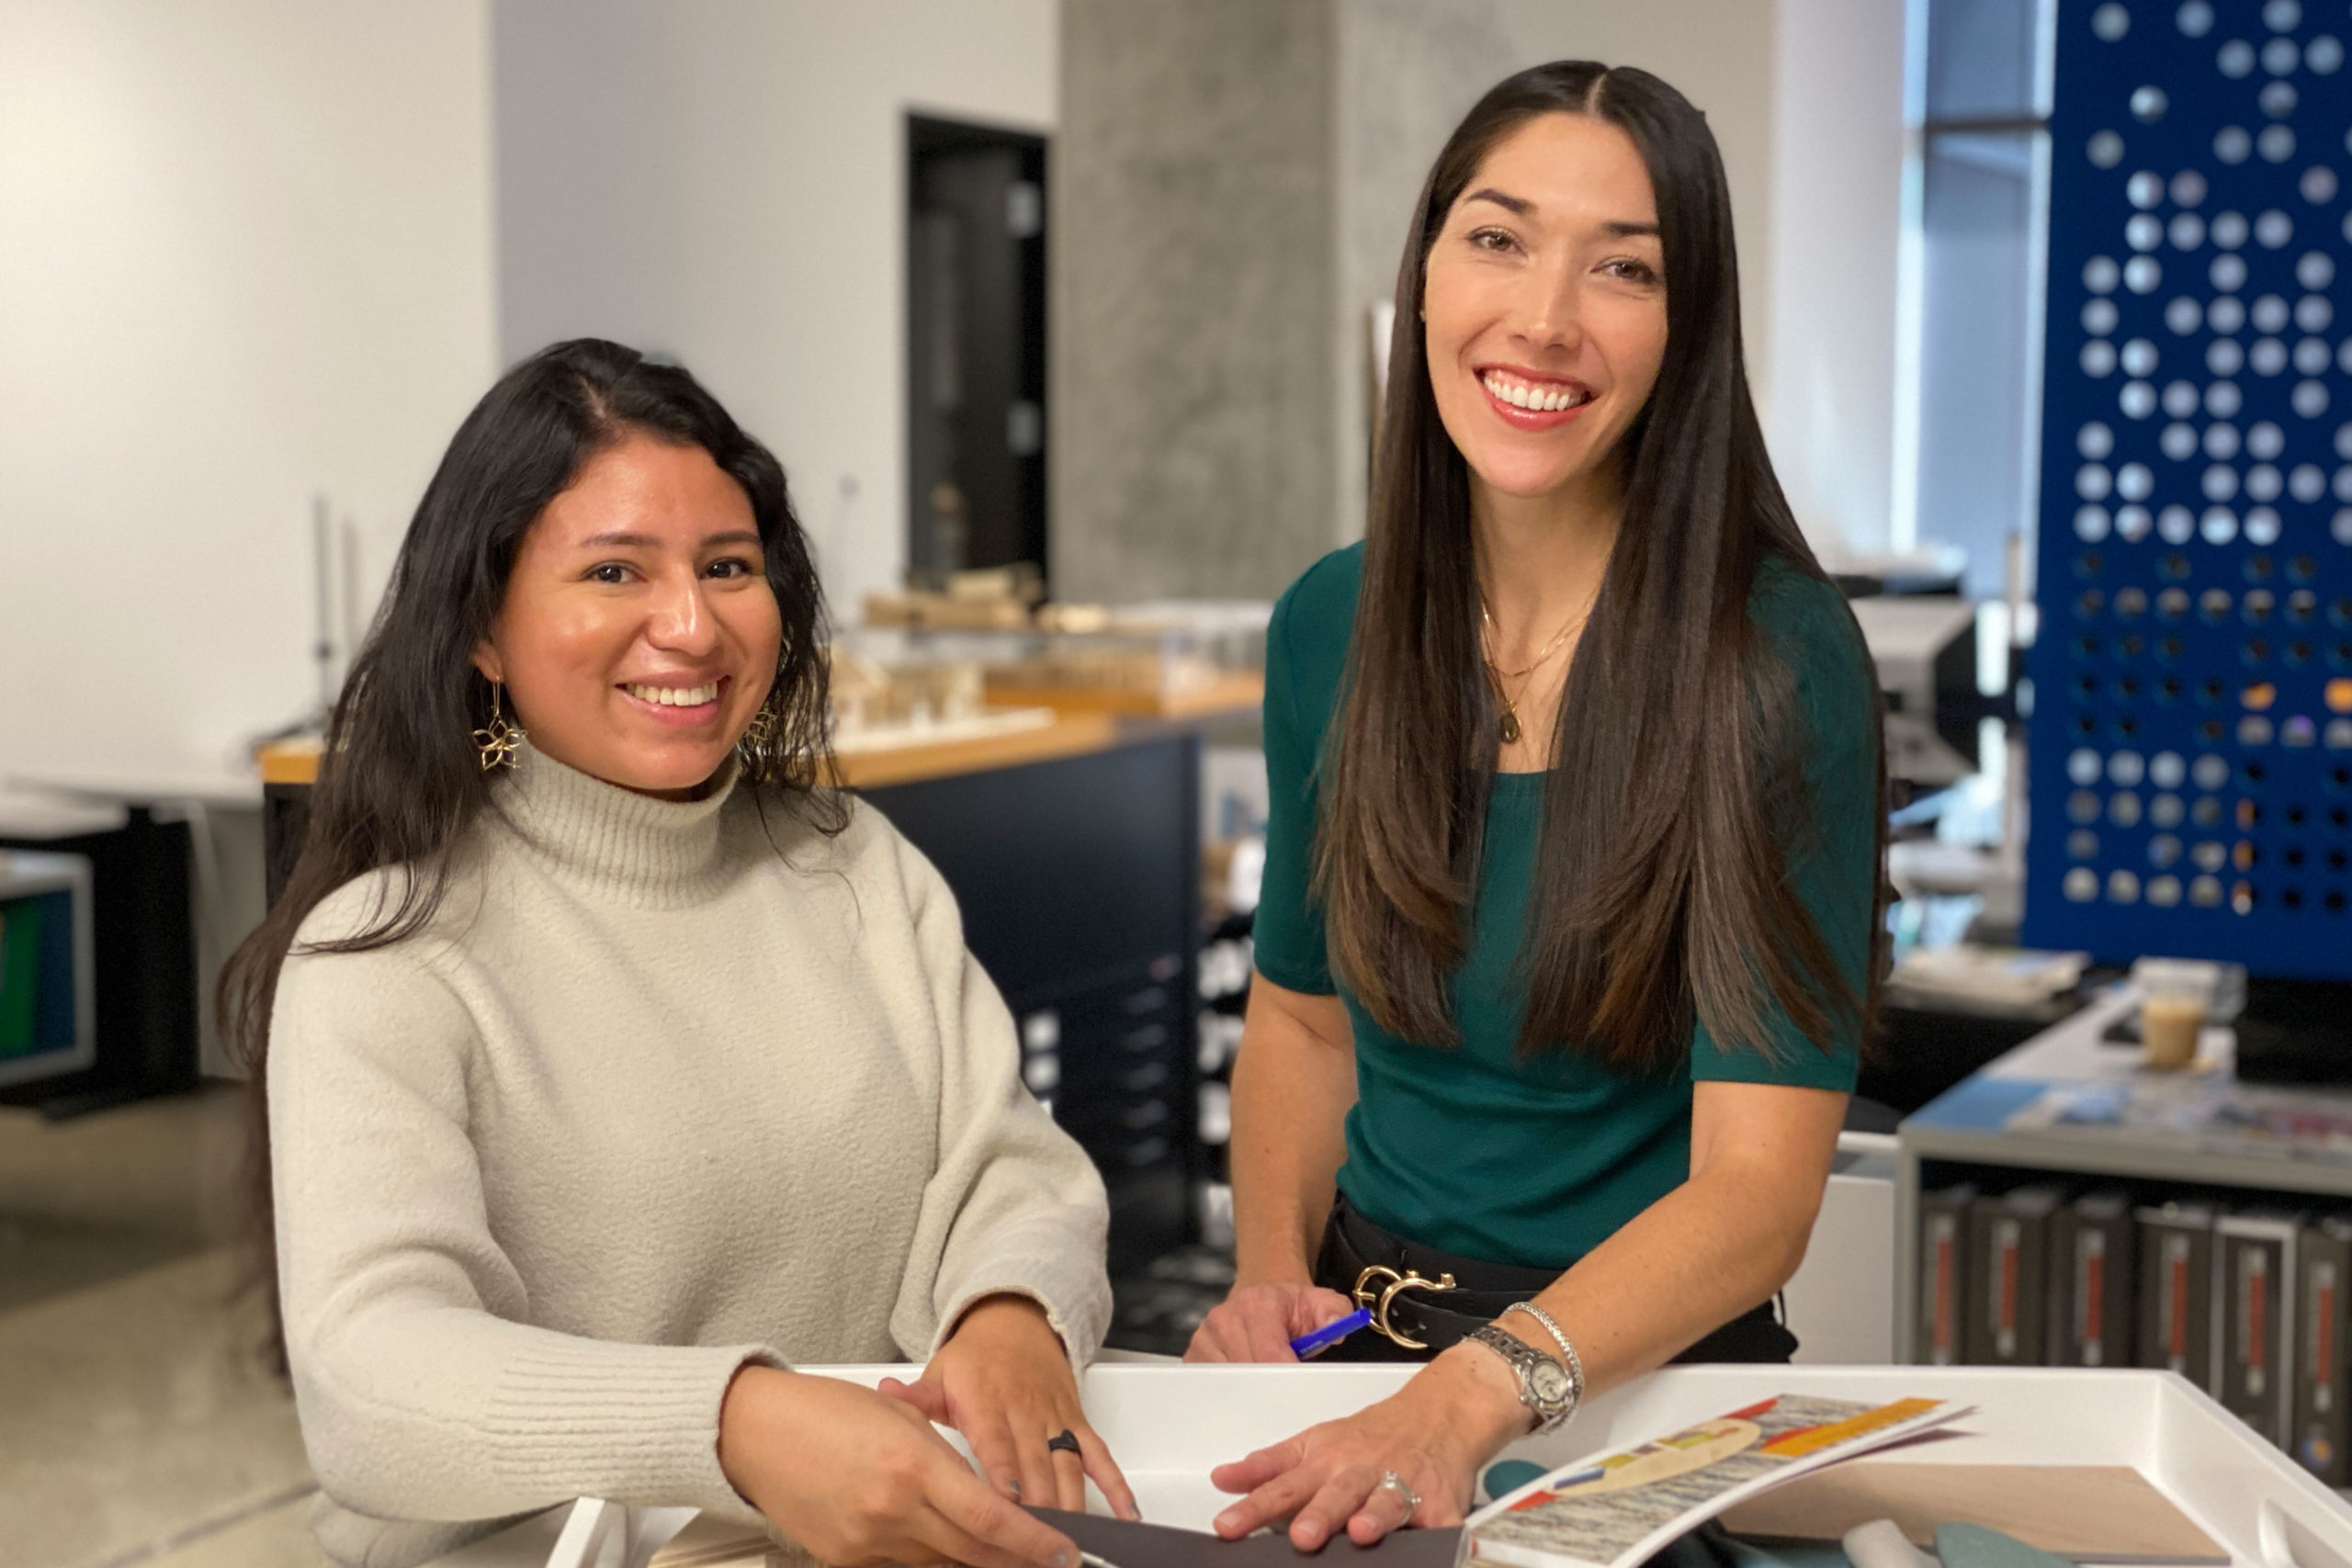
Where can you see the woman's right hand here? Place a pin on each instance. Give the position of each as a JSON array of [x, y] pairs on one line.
[[857, 1478], [1257, 1323]]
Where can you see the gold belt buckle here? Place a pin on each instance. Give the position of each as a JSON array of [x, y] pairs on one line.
[[1378, 1304]]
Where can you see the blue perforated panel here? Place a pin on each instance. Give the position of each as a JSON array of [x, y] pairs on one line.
[[2193, 728]]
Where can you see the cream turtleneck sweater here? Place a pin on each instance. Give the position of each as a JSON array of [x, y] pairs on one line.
[[664, 1089]]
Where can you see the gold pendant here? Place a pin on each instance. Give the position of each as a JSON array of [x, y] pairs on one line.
[[1509, 726]]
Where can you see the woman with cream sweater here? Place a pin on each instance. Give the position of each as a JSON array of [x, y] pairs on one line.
[[609, 1064]]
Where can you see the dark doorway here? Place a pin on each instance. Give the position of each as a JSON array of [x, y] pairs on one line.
[[976, 320]]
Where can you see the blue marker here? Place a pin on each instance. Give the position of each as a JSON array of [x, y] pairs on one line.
[[1306, 1347]]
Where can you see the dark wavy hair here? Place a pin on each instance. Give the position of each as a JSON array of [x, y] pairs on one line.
[[1662, 894], [401, 780]]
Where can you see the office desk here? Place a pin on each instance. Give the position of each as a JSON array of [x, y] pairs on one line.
[[1990, 1122]]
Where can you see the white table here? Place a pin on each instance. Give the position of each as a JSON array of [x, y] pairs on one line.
[[1169, 1424]]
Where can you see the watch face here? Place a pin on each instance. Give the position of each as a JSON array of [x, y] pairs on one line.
[[1551, 1385]]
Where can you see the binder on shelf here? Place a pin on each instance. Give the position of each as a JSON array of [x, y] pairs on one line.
[[2323, 1271], [2092, 1247], [1943, 1274], [2177, 1290], [2253, 1255], [2008, 1250]]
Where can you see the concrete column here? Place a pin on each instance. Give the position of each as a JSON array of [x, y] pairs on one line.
[[1192, 223]]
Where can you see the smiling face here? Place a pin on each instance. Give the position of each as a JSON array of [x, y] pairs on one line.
[[639, 634], [1544, 306]]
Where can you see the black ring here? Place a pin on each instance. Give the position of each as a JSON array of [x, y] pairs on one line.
[[1064, 1442]]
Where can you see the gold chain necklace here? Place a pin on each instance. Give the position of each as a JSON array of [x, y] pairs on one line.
[[1509, 726]]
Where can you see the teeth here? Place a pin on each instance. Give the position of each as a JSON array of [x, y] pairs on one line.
[[675, 697], [1520, 395]]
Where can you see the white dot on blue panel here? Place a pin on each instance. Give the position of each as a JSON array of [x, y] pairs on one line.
[[2235, 58], [2110, 22], [2324, 56], [2195, 19], [2232, 144], [2137, 399], [2283, 15], [2100, 275]]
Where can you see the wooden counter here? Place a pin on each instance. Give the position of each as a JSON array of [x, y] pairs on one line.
[[296, 762], [1084, 721]]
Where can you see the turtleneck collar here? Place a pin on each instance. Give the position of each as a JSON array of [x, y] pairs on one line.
[[629, 847]]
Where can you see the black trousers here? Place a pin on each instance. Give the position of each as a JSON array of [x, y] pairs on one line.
[[1353, 1244]]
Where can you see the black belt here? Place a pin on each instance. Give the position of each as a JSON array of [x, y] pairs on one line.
[[1424, 1299]]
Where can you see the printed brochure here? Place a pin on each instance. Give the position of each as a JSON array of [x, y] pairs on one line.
[[1615, 1509]]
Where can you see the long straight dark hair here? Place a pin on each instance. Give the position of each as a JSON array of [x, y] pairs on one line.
[[401, 780], [1675, 787]]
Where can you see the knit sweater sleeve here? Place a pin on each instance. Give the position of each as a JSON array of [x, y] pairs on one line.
[[423, 1395], [1013, 1204]]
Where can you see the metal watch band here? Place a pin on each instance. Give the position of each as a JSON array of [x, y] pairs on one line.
[[1559, 1335], [1551, 1407]]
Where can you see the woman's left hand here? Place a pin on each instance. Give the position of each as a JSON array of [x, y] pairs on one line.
[[1433, 1433], [1003, 1379]]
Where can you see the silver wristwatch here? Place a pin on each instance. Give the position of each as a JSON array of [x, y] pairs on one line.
[[1544, 1385]]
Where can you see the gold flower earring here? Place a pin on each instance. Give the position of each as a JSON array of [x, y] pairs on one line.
[[498, 743], [758, 737]]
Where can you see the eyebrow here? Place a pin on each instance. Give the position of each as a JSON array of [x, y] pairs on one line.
[[646, 541], [1520, 207]]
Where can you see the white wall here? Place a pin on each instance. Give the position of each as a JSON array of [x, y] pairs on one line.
[[726, 182], [1833, 242], [244, 256]]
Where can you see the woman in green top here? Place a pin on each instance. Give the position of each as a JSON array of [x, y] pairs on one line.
[[1572, 914]]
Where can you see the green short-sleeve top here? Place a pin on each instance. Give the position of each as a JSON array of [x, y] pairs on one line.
[[1535, 1160]]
